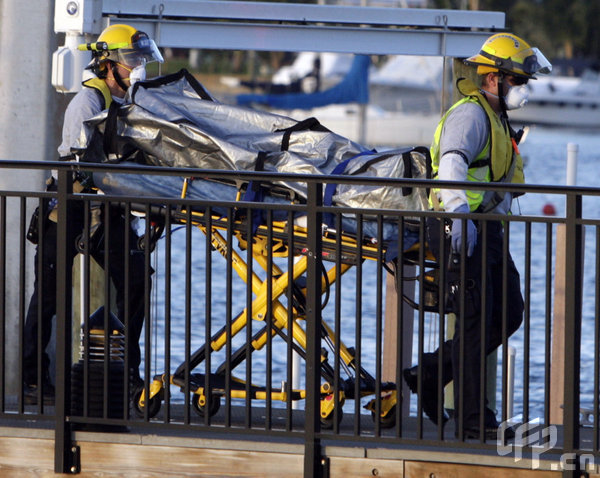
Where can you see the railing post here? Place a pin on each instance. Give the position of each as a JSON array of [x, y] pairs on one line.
[[312, 443], [573, 300], [64, 455]]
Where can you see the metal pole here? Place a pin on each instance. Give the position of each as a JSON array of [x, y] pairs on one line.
[[312, 448], [444, 100], [65, 457], [296, 366], [572, 337]]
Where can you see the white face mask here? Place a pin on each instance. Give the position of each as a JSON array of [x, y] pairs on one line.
[[137, 74], [516, 97]]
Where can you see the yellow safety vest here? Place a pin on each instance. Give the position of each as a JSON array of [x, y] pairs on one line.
[[499, 161], [101, 86]]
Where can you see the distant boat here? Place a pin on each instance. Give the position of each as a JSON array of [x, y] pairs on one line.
[[414, 85], [562, 101], [381, 128], [404, 98]]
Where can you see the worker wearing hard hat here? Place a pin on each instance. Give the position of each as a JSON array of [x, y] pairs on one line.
[[119, 57], [474, 142]]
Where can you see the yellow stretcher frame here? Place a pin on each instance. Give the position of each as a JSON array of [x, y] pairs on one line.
[[204, 402]]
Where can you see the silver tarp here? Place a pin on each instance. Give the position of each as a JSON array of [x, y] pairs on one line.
[[174, 122]]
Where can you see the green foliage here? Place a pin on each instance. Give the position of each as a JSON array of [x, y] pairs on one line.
[[560, 28]]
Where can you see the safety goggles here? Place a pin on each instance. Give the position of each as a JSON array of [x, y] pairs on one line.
[[517, 80]]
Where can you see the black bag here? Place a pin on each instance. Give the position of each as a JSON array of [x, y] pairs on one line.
[[33, 233], [435, 233]]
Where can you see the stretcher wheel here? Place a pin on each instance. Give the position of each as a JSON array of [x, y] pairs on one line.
[[327, 422], [389, 420], [153, 404], [199, 403]]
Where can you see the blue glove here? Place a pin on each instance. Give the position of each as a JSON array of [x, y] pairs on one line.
[[457, 238]]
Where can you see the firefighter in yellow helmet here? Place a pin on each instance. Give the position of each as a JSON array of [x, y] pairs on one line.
[[119, 57], [474, 142], [508, 56]]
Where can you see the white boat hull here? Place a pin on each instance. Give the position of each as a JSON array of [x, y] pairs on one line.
[[382, 128], [572, 114]]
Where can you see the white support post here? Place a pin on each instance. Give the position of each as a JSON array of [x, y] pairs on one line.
[[572, 151], [297, 374], [510, 392]]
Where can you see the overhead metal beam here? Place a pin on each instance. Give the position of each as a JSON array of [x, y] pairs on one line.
[[306, 13], [270, 26], [302, 27], [296, 38]]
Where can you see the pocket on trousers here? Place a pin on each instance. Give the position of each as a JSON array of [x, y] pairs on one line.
[[472, 293]]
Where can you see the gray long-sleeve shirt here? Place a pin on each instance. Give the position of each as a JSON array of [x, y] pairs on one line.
[[466, 129]]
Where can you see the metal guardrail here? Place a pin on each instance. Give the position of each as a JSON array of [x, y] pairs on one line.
[[220, 329]]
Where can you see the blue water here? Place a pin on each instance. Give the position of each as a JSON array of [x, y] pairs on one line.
[[545, 152]]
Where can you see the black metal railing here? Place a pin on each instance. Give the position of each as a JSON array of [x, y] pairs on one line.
[[235, 294]]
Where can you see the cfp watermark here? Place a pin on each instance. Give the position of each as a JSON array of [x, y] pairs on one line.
[[540, 439]]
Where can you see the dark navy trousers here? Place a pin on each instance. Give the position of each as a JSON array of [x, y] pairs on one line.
[[474, 318], [46, 297]]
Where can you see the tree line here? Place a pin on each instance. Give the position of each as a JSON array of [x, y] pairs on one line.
[[562, 29]]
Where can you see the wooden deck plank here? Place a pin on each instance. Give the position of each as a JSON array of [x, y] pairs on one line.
[[26, 457], [419, 469], [149, 460], [346, 467], [22, 457]]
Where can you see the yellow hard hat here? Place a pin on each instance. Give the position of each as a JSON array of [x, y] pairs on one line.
[[510, 54], [124, 44]]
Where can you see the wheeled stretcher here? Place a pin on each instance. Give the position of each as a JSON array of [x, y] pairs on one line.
[[173, 122], [277, 239]]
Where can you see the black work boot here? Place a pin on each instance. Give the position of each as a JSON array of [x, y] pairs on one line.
[[429, 396], [492, 429]]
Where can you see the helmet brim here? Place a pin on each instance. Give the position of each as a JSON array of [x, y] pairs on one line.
[[507, 53], [526, 63]]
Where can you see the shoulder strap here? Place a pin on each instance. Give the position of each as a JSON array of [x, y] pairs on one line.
[[99, 85], [427, 153], [109, 140], [164, 80]]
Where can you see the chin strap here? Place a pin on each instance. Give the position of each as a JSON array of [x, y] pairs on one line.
[[515, 135], [117, 76], [504, 114]]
